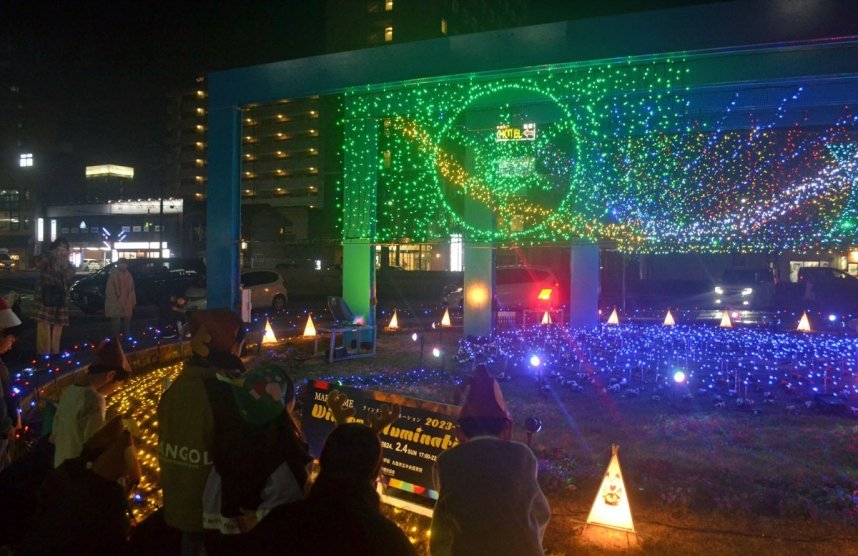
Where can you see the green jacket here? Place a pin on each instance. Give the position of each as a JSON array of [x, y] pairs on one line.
[[185, 441]]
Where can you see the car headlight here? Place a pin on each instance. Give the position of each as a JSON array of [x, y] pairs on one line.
[[747, 291], [719, 290]]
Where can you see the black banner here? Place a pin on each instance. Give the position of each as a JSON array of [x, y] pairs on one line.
[[411, 444]]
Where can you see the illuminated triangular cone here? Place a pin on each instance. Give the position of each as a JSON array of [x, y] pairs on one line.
[[668, 319], [546, 318], [445, 320], [394, 322], [310, 328], [804, 323], [269, 337], [610, 518], [725, 320], [614, 319]]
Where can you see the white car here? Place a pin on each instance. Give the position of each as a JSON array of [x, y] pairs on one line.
[[266, 291], [518, 287]]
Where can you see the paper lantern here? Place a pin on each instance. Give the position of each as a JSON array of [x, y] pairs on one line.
[[310, 328], [610, 521], [725, 320], [394, 322], [269, 337], [546, 318], [668, 319], [445, 320], [614, 319], [804, 323]]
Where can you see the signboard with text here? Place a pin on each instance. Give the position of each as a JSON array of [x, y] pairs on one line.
[[411, 444]]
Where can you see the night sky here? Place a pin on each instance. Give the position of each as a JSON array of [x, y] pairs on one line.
[[104, 68]]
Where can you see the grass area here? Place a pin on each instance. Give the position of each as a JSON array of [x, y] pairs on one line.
[[700, 480]]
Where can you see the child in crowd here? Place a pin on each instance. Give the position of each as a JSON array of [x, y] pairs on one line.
[[81, 409], [489, 499], [260, 457]]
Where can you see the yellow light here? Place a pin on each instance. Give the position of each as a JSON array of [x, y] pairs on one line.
[[725, 320], [668, 319], [611, 512], [544, 294], [804, 323], [614, 319], [309, 328], [269, 337], [477, 294], [445, 320], [394, 322]]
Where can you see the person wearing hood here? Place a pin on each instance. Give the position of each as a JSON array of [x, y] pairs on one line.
[[120, 298], [489, 501], [186, 421], [81, 410]]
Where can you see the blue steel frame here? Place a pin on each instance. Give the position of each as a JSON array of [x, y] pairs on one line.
[[800, 38]]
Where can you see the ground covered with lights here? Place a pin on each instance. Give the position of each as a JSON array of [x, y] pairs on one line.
[[732, 441]]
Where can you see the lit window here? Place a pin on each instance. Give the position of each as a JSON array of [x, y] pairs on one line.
[[443, 26], [201, 94], [26, 160], [388, 5], [388, 34]]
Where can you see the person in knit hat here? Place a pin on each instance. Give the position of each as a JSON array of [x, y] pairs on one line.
[[82, 506], [9, 417], [489, 500], [81, 409], [186, 421]]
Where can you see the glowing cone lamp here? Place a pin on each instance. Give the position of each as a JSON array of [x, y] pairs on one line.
[[310, 328], [610, 518], [614, 319], [804, 323], [546, 318], [394, 322], [445, 320], [668, 319], [269, 337], [725, 320]]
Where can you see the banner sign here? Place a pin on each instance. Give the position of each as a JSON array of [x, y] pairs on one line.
[[411, 444]]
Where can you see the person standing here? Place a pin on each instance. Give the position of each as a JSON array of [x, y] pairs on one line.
[[489, 500], [51, 311], [186, 422], [120, 298], [81, 411]]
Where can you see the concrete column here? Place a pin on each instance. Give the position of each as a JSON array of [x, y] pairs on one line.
[[479, 260], [359, 217], [584, 285]]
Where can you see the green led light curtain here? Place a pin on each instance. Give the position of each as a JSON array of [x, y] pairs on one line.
[[621, 152]]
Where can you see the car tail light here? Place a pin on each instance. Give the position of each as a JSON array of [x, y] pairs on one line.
[[545, 294]]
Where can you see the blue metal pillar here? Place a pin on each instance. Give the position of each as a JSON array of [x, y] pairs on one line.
[[223, 207]]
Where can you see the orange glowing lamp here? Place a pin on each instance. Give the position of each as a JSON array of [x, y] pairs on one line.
[[445, 320], [725, 320], [804, 323], [269, 337], [668, 319], [394, 322], [310, 328], [614, 319]]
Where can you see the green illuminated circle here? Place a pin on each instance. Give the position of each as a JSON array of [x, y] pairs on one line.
[[511, 150]]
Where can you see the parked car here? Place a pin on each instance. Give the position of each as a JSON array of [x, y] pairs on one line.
[[517, 287], [266, 291], [745, 288], [7, 262], [90, 265], [154, 281]]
